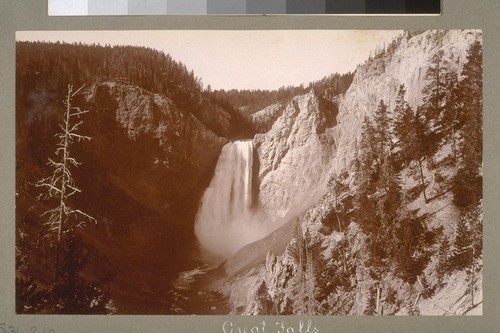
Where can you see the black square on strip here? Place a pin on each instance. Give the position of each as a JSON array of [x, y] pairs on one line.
[[423, 6], [385, 6], [345, 6]]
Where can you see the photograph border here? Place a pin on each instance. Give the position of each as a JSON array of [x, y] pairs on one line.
[[32, 15]]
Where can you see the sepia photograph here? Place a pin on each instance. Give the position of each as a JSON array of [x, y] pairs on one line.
[[249, 172]]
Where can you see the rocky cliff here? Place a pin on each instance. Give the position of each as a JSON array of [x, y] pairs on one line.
[[379, 79], [306, 145], [295, 155]]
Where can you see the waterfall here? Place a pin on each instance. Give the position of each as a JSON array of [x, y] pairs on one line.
[[226, 220]]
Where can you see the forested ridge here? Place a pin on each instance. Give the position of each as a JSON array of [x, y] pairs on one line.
[[56, 64], [51, 66], [251, 101]]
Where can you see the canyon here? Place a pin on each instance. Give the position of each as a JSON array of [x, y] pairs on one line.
[[197, 200]]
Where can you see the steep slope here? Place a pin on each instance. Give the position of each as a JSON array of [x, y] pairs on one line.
[[327, 267]]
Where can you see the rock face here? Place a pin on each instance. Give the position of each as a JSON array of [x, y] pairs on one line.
[[380, 79], [295, 155], [308, 143], [179, 145]]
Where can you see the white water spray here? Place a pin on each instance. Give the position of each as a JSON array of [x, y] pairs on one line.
[[226, 221]]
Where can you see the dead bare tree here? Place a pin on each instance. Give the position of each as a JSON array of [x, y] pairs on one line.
[[61, 185]]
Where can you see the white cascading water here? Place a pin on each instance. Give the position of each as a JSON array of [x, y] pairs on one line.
[[226, 221]]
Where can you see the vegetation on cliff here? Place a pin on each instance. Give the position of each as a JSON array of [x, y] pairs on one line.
[[403, 225]]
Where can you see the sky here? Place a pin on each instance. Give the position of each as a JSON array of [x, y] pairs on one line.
[[244, 59]]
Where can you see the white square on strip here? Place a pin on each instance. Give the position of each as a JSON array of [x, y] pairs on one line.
[[68, 7]]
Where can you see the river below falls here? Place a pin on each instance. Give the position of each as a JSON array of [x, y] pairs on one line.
[[190, 293]]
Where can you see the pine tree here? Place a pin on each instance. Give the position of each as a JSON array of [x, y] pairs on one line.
[[264, 301], [390, 185], [338, 186], [452, 111], [424, 147], [367, 177], [405, 131], [443, 255], [466, 248], [467, 184], [462, 246], [69, 291], [410, 132], [382, 120], [368, 160], [371, 305], [61, 185], [367, 213], [435, 94], [392, 296], [408, 269], [378, 194], [411, 256], [388, 182], [475, 220], [472, 87]]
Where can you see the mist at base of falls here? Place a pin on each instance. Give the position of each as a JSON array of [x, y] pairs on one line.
[[227, 218]]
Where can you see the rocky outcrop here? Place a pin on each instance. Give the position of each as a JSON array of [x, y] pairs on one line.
[[264, 119], [295, 155], [177, 144]]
